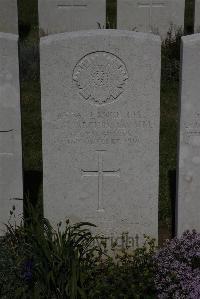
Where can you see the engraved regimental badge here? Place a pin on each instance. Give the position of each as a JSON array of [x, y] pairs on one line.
[[100, 77]]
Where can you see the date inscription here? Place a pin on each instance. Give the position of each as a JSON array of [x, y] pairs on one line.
[[105, 127]]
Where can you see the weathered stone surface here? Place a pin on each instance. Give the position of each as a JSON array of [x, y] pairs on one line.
[[10, 130], [150, 15], [100, 112], [197, 16], [8, 16], [189, 148], [56, 16]]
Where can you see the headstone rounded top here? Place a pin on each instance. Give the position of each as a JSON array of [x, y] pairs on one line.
[[100, 32], [9, 36], [191, 38], [57, 16], [158, 16], [100, 77]]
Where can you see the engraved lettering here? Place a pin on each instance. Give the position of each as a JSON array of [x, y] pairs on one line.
[[106, 127]]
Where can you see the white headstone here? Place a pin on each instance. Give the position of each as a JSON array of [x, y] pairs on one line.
[[189, 148], [197, 16], [100, 113], [8, 16], [150, 15], [11, 191], [56, 16]]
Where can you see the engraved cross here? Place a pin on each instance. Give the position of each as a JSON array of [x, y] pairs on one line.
[[150, 5], [72, 4], [100, 173]]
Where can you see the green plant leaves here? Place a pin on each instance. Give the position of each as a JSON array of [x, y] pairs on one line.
[[68, 263]]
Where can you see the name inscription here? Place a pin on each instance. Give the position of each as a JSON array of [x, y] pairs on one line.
[[105, 127]]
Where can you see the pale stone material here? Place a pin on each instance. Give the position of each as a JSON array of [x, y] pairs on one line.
[[8, 16], [100, 113], [155, 16], [10, 130], [189, 148], [197, 16], [56, 16]]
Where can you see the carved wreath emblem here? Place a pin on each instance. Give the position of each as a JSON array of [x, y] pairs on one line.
[[100, 77]]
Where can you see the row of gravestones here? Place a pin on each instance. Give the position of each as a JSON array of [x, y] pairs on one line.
[[155, 16], [72, 15], [100, 113]]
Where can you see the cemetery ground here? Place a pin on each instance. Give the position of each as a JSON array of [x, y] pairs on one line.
[[91, 273]]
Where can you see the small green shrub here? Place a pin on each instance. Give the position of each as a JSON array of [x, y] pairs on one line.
[[69, 263], [126, 275], [37, 262], [44, 263]]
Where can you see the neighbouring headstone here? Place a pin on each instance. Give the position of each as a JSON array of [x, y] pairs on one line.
[[56, 16], [100, 113], [11, 191], [156, 16], [8, 16], [188, 208], [197, 16]]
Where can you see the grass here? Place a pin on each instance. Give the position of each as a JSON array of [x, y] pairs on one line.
[[31, 114]]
